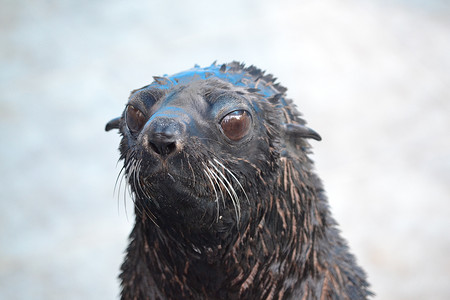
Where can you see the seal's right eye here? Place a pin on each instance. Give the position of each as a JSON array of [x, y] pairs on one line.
[[135, 119], [236, 124]]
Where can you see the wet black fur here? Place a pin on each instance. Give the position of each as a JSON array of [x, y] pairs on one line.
[[284, 245]]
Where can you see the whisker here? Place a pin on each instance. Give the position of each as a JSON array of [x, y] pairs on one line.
[[147, 211], [120, 175], [130, 175], [117, 179], [138, 187], [192, 170], [234, 177], [135, 176], [141, 186], [230, 190], [122, 181], [215, 192], [214, 176]]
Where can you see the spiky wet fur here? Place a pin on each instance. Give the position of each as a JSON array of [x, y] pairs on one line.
[[267, 232]]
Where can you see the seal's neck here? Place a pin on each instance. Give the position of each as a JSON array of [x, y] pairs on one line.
[[280, 243], [180, 265]]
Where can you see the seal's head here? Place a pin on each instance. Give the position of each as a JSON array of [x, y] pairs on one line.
[[202, 146], [227, 202]]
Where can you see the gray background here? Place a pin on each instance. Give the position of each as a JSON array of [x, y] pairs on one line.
[[372, 77]]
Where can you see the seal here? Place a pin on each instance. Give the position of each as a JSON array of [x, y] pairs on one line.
[[227, 202]]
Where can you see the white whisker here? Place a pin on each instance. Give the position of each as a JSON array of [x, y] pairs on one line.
[[234, 177], [230, 190], [192, 169], [215, 192]]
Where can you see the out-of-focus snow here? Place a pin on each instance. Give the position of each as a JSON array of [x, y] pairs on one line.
[[373, 78]]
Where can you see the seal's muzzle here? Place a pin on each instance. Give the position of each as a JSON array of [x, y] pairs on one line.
[[164, 135]]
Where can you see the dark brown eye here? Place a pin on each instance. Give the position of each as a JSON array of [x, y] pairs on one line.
[[135, 119], [236, 124]]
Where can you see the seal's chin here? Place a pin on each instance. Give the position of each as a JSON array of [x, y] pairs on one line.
[[175, 197]]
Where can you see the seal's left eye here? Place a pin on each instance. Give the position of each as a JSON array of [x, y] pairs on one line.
[[236, 124], [135, 119]]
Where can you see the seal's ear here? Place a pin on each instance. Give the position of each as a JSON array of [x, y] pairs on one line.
[[113, 124], [300, 131]]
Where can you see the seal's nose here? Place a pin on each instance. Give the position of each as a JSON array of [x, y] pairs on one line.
[[164, 135]]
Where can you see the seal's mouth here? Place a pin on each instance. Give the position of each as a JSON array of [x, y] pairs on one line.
[[209, 188], [171, 185]]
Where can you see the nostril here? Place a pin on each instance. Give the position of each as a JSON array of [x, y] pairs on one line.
[[163, 148], [154, 148], [164, 135], [171, 147]]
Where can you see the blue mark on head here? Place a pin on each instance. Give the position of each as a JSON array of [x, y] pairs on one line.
[[237, 78]]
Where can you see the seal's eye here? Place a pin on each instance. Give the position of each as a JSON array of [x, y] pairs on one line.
[[135, 119], [236, 124]]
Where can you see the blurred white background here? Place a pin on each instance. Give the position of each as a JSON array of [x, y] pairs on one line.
[[372, 77]]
